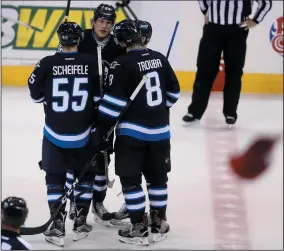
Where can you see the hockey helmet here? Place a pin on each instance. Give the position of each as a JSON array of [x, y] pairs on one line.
[[146, 28], [69, 33], [127, 31], [105, 11], [14, 211]]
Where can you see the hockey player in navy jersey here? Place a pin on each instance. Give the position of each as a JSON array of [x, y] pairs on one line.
[[68, 85], [142, 144], [14, 212], [146, 34], [100, 35]]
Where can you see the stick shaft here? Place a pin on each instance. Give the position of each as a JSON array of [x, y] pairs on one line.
[[172, 39]]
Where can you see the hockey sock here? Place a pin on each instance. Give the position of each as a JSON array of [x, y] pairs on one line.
[[135, 203], [53, 193], [69, 182], [158, 197], [83, 196], [99, 188]]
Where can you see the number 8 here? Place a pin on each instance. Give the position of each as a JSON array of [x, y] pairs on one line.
[[155, 88]]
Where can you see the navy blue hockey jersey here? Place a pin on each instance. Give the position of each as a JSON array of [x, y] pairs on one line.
[[68, 84], [147, 118]]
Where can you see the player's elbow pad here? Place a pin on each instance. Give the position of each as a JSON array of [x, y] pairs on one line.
[[37, 98]]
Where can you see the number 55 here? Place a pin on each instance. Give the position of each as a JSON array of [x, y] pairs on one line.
[[76, 106]]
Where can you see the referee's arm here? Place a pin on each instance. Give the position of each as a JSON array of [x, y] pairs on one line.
[[204, 5], [264, 6]]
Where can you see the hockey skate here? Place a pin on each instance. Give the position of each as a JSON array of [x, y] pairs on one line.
[[230, 121], [121, 217], [190, 119], [136, 234], [56, 232], [101, 215], [72, 210], [159, 227], [81, 229]]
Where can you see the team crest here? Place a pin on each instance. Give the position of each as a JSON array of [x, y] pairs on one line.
[[114, 64], [37, 65], [276, 35]]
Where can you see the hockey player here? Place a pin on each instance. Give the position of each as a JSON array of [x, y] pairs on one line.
[[142, 144], [14, 212], [146, 34], [100, 35], [68, 84]]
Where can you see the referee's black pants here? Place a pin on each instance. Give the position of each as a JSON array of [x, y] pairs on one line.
[[231, 39]]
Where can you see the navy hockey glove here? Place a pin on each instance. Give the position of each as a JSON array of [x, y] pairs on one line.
[[99, 141]]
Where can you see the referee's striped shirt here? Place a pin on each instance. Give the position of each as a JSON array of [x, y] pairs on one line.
[[233, 11]]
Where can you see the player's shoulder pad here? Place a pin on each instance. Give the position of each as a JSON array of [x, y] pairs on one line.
[[43, 61], [157, 53], [122, 60]]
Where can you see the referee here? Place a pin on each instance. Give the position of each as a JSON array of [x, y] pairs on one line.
[[226, 28]]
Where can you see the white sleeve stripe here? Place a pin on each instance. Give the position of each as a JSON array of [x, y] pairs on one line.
[[26, 244], [173, 95], [114, 100], [169, 104], [108, 111], [37, 100]]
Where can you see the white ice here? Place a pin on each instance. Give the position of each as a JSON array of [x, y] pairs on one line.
[[190, 210]]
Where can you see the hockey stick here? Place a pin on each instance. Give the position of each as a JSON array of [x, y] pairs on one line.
[[99, 52], [131, 12], [125, 4], [23, 24], [172, 39], [63, 198], [65, 20], [67, 10]]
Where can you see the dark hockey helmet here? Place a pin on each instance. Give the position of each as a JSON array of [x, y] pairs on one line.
[[127, 31], [146, 28], [69, 33], [14, 211], [105, 11]]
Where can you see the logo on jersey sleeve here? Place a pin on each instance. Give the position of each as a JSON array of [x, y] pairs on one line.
[[37, 65], [114, 64], [106, 67]]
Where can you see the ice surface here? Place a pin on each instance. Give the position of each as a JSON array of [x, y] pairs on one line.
[[194, 224]]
